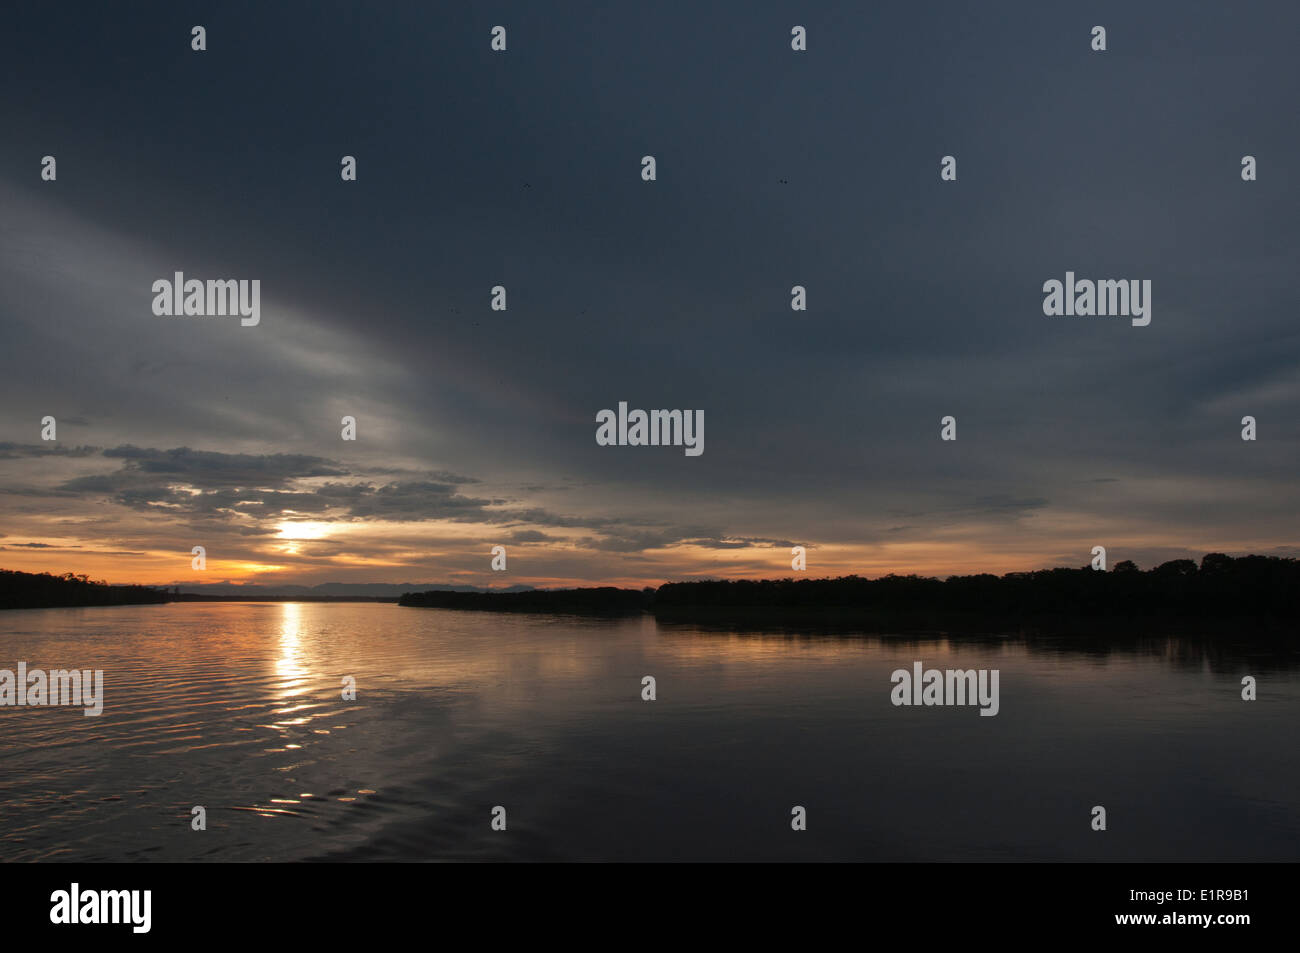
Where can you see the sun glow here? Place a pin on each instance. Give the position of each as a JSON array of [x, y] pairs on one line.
[[304, 529]]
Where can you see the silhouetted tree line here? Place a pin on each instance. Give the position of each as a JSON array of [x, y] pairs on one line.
[[1221, 585], [605, 599], [26, 590]]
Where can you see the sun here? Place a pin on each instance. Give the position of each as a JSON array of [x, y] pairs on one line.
[[304, 529]]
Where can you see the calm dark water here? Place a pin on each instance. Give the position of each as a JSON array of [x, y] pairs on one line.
[[237, 707]]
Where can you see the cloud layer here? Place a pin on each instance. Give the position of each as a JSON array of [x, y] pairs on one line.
[[476, 427]]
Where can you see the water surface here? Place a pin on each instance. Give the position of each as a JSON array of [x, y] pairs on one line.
[[237, 707]]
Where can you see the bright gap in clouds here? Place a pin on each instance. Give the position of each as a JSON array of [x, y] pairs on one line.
[[304, 529]]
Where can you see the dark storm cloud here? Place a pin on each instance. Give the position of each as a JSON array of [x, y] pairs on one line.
[[530, 536], [14, 451], [422, 500], [206, 483], [742, 542], [264, 490], [621, 540], [211, 469]]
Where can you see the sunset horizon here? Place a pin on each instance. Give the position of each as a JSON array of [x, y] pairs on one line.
[[613, 433], [277, 547], [765, 566]]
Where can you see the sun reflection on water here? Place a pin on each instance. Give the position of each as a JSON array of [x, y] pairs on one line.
[[290, 666]]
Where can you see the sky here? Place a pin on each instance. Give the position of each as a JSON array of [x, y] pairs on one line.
[[523, 168]]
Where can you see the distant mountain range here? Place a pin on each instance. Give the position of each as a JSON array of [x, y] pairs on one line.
[[373, 590]]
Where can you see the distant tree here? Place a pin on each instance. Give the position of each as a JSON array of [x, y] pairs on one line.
[[1126, 565], [1216, 562]]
